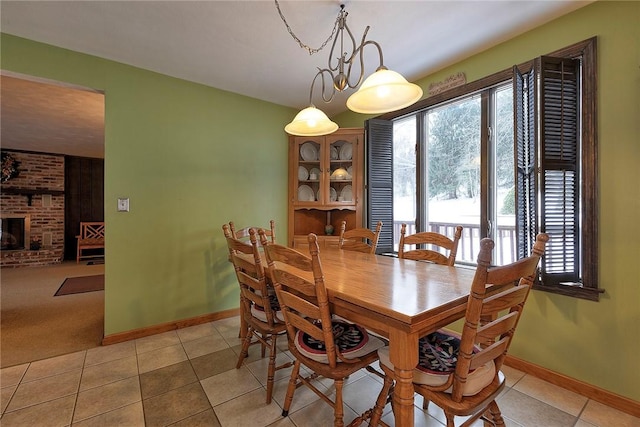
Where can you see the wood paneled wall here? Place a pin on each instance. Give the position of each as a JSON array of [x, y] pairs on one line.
[[84, 197]]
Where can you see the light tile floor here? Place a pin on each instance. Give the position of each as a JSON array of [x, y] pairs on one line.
[[187, 377]]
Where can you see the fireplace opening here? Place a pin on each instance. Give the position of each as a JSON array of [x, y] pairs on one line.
[[16, 232]]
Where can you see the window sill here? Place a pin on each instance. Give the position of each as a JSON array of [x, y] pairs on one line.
[[576, 291]]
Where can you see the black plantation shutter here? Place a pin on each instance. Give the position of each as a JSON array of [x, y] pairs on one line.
[[559, 156], [379, 135], [525, 152], [559, 172]]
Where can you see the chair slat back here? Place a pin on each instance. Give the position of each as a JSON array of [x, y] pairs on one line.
[[359, 239], [429, 245], [243, 233], [247, 263], [92, 230], [492, 315], [300, 288]]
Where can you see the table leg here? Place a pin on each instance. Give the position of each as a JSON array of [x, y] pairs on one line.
[[403, 352]]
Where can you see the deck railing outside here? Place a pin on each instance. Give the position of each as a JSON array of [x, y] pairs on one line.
[[469, 246]]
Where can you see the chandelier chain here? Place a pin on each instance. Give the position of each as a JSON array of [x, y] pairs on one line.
[[302, 45]]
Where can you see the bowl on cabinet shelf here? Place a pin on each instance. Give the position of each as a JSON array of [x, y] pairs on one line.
[[339, 174]]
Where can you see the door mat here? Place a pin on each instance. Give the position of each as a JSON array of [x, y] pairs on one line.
[[78, 285]]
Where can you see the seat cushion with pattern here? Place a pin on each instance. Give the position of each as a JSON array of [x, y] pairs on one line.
[[438, 355], [258, 311], [352, 340]]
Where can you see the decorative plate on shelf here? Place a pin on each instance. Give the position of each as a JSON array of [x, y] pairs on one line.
[[334, 195], [346, 152], [334, 153], [305, 194], [303, 173], [347, 193], [308, 151]]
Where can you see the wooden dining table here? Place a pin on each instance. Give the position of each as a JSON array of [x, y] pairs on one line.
[[400, 299]]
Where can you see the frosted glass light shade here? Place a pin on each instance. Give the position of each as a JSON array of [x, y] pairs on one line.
[[384, 91], [311, 122]]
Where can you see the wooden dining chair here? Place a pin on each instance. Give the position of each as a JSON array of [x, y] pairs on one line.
[[331, 348], [258, 303], [243, 233], [428, 244], [359, 239], [461, 373]]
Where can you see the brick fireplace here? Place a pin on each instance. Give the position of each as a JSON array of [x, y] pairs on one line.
[[36, 196]]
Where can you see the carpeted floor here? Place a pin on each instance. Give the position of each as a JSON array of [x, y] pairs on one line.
[[36, 325]]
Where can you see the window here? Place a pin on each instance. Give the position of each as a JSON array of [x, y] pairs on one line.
[[456, 158], [404, 175]]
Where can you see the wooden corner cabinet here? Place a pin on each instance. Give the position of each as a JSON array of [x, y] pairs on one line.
[[325, 185]]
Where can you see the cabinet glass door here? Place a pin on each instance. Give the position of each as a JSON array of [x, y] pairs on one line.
[[342, 153], [309, 164]]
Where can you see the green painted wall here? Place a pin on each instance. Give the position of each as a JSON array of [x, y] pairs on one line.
[[190, 158], [596, 342]]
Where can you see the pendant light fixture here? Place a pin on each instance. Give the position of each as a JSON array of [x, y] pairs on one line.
[[381, 92], [311, 122]]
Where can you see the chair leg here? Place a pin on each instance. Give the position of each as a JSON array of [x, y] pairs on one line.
[[272, 367], [498, 421], [425, 404], [450, 419], [338, 408], [262, 346], [381, 402], [242, 333], [291, 388], [244, 352]]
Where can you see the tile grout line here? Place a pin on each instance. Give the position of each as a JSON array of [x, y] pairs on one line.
[[75, 402]]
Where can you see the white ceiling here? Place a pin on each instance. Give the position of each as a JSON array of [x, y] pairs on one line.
[[244, 47], [51, 118]]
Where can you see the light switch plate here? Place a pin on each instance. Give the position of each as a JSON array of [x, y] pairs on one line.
[[123, 204]]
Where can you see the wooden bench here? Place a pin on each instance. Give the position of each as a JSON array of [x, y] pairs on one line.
[[91, 237]]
